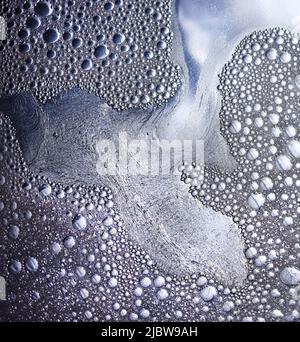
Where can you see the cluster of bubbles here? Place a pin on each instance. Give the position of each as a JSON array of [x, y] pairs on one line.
[[260, 120], [118, 49]]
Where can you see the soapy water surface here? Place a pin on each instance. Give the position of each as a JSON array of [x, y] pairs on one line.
[[236, 257]]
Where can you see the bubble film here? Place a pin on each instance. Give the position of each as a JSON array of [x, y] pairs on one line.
[[119, 50]]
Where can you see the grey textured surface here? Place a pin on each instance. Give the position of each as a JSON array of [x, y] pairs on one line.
[[67, 254], [182, 237]]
